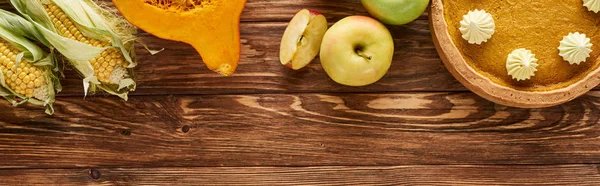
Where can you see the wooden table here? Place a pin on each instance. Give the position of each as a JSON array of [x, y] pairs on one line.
[[186, 125]]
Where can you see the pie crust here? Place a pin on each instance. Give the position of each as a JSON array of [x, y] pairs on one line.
[[490, 89]]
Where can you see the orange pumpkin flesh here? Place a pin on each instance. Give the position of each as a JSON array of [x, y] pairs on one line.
[[212, 27]]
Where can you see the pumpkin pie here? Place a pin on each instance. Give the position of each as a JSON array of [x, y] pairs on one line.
[[538, 26]]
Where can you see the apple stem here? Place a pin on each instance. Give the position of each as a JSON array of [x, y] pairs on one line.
[[361, 54]]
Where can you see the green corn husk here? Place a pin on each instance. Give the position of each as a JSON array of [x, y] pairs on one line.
[[93, 22], [15, 30]]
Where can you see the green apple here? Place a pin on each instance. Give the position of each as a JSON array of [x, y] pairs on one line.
[[396, 12], [357, 51]]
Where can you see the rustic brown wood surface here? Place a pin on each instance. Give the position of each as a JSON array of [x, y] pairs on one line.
[[379, 175], [269, 125]]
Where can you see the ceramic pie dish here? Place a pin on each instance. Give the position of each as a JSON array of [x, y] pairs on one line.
[[539, 26]]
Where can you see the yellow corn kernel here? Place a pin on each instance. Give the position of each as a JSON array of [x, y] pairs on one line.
[[26, 79], [37, 82], [22, 74], [29, 92], [4, 60]]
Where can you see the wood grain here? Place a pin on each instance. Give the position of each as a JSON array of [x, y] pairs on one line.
[[580, 174], [298, 130], [270, 125], [179, 69]]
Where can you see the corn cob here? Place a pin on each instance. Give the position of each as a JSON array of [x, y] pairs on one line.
[[23, 77], [26, 71], [110, 66]]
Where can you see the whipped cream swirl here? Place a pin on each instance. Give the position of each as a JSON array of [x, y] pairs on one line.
[[521, 64], [592, 5], [575, 48], [477, 26]]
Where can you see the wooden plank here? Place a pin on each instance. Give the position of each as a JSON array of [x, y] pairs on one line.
[[298, 130], [179, 69], [284, 10], [580, 174], [281, 10]]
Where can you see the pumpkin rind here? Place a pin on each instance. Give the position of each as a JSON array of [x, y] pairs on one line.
[[213, 29]]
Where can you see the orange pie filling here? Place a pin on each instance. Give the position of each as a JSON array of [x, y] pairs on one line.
[[538, 26]]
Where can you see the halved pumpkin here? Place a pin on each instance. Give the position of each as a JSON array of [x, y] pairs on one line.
[[212, 27]]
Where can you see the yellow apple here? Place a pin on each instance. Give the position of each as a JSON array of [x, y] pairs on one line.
[[357, 51]]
